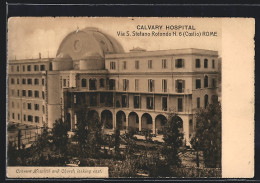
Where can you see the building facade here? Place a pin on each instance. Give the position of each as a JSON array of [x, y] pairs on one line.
[[134, 90]]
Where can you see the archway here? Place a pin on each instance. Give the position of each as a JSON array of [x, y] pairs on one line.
[[214, 99], [147, 121], [206, 101], [160, 121], [179, 122], [107, 119], [120, 120], [133, 121], [92, 114]]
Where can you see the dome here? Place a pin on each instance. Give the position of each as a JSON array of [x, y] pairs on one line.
[[89, 41], [62, 62]]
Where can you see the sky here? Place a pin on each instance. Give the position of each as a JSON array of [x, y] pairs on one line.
[[29, 36]]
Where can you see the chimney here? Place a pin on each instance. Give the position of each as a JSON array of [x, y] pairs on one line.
[[40, 56]]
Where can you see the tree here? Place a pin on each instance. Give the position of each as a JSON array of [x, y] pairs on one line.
[[43, 140], [12, 154], [172, 140], [82, 133], [60, 136], [208, 134]]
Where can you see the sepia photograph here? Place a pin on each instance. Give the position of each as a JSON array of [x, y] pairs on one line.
[[107, 97]]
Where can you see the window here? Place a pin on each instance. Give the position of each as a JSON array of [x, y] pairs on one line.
[[136, 84], [180, 105], [36, 67], [136, 101], [112, 65], [124, 65], [23, 81], [18, 116], [23, 68], [197, 63], [164, 103], [112, 84], [149, 102], [36, 81], [92, 84], [64, 82], [24, 93], [164, 63], [29, 81], [137, 64], [150, 85], [206, 63], [124, 100], [18, 81], [102, 98], [18, 93], [93, 99], [24, 117], [30, 118], [198, 102], [101, 83], [206, 101], [150, 64], [29, 93], [29, 106], [164, 85], [13, 116], [43, 96], [12, 81], [17, 69], [198, 83], [42, 81], [12, 104], [213, 64], [83, 82], [125, 84], [36, 119], [206, 82], [179, 63], [43, 109], [180, 86], [36, 107], [36, 94], [28, 67], [214, 83], [42, 67]]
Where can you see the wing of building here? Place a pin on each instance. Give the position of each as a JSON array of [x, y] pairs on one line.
[[91, 72]]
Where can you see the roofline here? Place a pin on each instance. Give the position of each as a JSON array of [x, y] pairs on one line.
[[184, 51]]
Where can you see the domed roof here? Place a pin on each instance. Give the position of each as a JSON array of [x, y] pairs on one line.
[[87, 42]]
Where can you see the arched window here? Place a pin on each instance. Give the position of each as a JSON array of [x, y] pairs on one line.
[[83, 82], [206, 101], [205, 63], [206, 81], [92, 84]]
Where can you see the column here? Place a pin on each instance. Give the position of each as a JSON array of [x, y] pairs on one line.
[[140, 123], [73, 125], [114, 120], [154, 129], [126, 123]]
